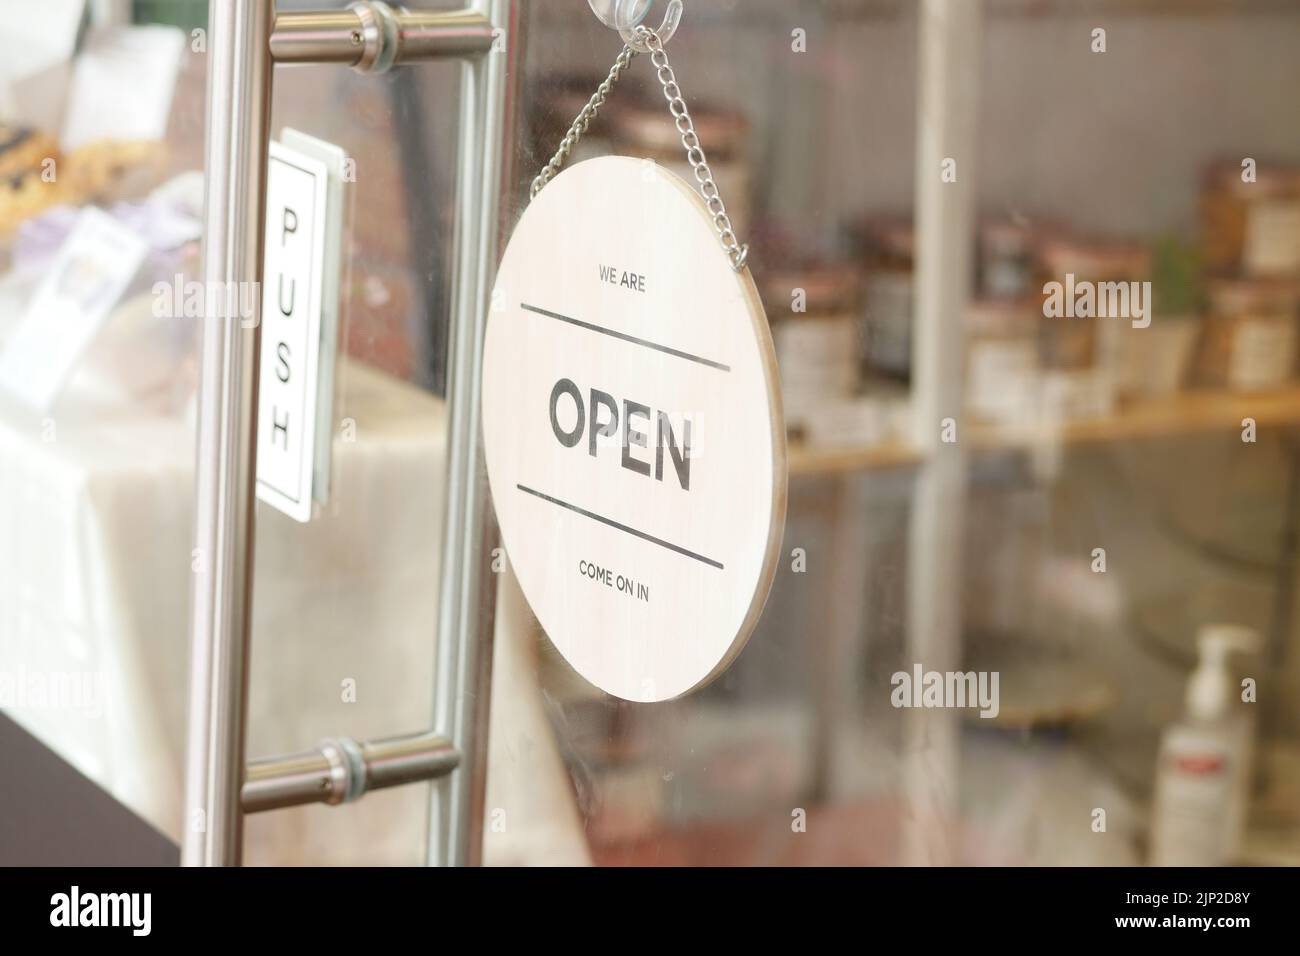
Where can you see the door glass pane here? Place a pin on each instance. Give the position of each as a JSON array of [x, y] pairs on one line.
[[345, 607], [1033, 293], [101, 148], [1046, 511], [1130, 510], [797, 732]]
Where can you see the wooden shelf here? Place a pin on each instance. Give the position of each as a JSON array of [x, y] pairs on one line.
[[1184, 413], [838, 459]]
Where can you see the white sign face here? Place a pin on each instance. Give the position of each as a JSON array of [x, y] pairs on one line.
[[292, 287], [91, 270], [337, 165], [633, 431]]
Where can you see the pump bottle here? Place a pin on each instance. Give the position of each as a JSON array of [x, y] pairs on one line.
[[1203, 771]]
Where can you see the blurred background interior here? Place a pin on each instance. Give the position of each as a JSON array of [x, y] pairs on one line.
[[1105, 504]]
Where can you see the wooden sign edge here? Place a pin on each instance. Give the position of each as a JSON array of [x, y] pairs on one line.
[[762, 330]]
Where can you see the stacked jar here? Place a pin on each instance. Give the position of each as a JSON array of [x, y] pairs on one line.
[[646, 130], [1083, 355], [1251, 220], [1006, 259], [1250, 216], [886, 339], [814, 314], [1250, 334], [1002, 375]]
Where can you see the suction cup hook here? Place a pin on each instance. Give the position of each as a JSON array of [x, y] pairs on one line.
[[626, 15], [620, 14]]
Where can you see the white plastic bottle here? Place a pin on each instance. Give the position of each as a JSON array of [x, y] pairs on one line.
[[1203, 771]]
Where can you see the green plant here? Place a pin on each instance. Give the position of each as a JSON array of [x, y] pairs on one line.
[[1176, 281]]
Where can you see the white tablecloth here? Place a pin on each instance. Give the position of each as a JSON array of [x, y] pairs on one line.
[[95, 537]]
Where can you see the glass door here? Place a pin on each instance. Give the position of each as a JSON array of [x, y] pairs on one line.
[[101, 146], [1016, 534], [1030, 270]]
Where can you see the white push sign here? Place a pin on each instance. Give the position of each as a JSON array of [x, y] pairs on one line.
[[633, 431], [299, 323]]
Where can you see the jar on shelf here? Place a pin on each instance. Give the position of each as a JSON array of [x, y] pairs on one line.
[[1157, 357], [1251, 228], [646, 129], [886, 339], [814, 313], [1001, 359], [1006, 259], [1083, 355], [1250, 335]]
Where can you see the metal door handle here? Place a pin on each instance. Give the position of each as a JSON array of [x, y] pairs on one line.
[[340, 770]]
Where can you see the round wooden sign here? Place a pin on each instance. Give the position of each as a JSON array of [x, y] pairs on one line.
[[633, 430]]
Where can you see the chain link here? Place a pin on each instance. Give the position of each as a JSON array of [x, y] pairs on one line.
[[580, 124], [736, 252]]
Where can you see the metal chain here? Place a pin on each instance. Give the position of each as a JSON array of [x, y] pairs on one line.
[[582, 122], [736, 252]]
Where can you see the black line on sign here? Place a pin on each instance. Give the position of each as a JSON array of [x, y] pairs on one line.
[[621, 527], [625, 337]]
